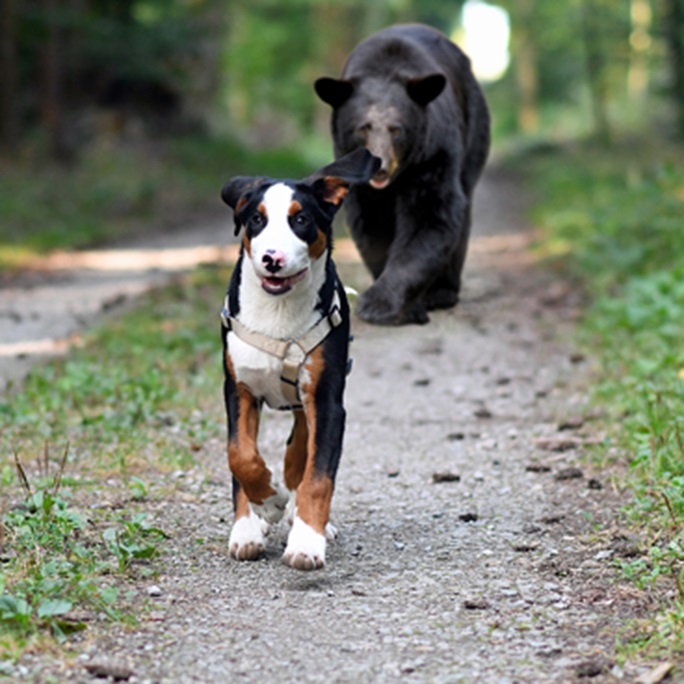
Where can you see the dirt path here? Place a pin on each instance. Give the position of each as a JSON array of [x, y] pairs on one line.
[[468, 552]]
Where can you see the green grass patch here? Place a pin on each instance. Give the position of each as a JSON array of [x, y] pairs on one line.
[[108, 423], [615, 220], [117, 190]]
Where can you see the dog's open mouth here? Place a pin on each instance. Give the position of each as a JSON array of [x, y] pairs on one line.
[[275, 285]]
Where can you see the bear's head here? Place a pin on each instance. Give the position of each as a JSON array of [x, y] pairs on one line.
[[388, 117]]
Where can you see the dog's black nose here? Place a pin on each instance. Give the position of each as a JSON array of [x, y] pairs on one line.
[[273, 261]]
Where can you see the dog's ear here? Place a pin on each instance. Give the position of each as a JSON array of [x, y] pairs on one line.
[[424, 90], [236, 194], [333, 91], [332, 182]]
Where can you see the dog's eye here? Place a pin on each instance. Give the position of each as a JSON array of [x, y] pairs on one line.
[[394, 131], [365, 129], [301, 220], [257, 220]]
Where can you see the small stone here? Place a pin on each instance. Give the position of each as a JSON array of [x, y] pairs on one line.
[[468, 517], [154, 590], [592, 668], [552, 519], [537, 468], [595, 484], [445, 477], [569, 474], [574, 423], [116, 669], [455, 436], [476, 604]]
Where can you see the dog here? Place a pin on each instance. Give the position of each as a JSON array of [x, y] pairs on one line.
[[285, 330]]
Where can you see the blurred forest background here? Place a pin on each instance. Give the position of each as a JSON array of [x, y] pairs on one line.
[[119, 117], [135, 109]]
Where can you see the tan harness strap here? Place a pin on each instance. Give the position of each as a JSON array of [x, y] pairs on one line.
[[289, 379]]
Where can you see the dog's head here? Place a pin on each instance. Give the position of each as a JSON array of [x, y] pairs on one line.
[[288, 224]]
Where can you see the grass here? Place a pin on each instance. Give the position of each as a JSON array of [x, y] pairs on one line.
[[613, 219], [117, 190], [110, 421], [134, 404]]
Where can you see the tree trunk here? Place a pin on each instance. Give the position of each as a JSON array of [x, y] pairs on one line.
[[674, 24], [52, 95], [596, 72], [526, 72], [639, 42], [9, 119]]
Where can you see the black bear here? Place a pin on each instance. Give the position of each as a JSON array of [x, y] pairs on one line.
[[408, 94]]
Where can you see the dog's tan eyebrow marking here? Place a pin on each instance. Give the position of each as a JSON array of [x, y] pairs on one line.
[[262, 210], [240, 205], [247, 243], [317, 248], [295, 208]]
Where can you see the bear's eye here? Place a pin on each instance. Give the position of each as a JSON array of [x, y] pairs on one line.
[[364, 129], [394, 131]]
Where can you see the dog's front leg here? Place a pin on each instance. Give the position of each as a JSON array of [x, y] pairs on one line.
[[257, 499], [325, 417]]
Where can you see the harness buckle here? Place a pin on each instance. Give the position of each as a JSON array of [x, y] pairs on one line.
[[334, 316]]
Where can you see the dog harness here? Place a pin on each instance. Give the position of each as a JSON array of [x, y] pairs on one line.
[[289, 379]]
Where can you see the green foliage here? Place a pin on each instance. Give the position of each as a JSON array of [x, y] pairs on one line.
[[618, 228], [114, 192], [133, 540], [56, 564], [132, 404], [133, 378]]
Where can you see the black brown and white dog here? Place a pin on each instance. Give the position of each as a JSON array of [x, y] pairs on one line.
[[286, 335]]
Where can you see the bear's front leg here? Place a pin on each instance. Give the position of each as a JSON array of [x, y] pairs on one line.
[[422, 251], [382, 305]]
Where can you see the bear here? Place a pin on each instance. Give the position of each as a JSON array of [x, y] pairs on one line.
[[408, 94]]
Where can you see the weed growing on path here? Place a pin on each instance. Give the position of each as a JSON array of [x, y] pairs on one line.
[[617, 224], [135, 403]]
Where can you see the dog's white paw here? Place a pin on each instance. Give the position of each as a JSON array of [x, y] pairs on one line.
[[247, 537], [305, 547], [273, 508]]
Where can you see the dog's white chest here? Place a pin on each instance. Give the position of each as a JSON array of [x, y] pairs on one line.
[[262, 372]]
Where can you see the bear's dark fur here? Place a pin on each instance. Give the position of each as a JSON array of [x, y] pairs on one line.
[[408, 94]]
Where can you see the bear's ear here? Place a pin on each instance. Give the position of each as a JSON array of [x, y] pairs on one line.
[[331, 183], [425, 89], [236, 193], [333, 91]]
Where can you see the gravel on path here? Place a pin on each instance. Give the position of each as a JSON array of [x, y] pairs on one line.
[[472, 547]]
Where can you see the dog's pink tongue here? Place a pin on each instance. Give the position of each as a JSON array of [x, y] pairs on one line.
[[277, 285]]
